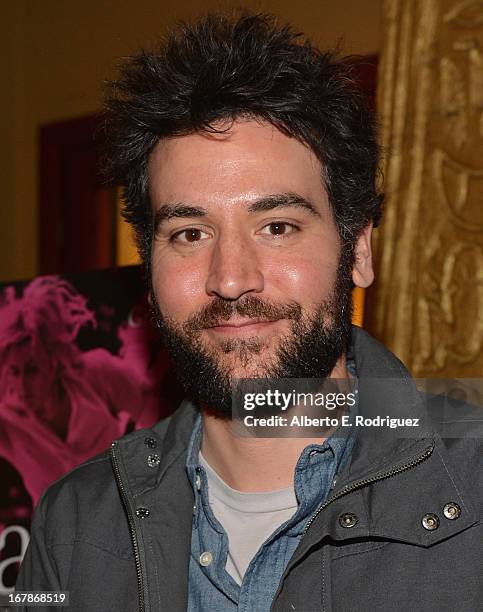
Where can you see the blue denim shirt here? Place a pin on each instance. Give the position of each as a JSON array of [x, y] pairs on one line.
[[211, 588]]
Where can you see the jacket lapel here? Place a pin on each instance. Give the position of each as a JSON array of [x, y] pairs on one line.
[[161, 501]]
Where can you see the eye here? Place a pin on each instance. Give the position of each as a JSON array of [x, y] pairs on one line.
[[279, 228], [189, 235]]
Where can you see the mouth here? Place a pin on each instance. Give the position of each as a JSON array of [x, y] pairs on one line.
[[242, 326]]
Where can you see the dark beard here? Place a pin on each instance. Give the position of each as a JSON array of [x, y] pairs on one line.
[[311, 350]]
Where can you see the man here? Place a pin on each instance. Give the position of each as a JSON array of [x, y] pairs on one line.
[[249, 162]]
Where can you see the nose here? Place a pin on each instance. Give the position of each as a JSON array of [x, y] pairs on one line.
[[234, 269]]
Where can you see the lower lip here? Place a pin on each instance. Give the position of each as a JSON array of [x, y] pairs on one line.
[[251, 327]]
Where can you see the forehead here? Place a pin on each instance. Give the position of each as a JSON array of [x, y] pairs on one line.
[[250, 158]]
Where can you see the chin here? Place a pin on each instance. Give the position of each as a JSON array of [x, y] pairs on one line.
[[246, 361], [254, 367]]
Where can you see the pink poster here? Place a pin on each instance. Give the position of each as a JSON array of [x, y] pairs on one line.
[[80, 365]]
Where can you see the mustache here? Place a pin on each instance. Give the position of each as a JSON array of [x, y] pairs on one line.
[[219, 310]]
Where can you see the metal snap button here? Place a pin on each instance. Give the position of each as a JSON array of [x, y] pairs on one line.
[[206, 558], [153, 460], [451, 510], [198, 482], [143, 513], [430, 521], [150, 442], [348, 519]]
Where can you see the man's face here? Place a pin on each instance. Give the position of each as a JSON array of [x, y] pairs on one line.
[[248, 276]]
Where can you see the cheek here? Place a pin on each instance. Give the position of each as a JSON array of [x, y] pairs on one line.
[[179, 286], [306, 280]]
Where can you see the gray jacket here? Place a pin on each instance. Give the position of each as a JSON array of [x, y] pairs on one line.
[[400, 530]]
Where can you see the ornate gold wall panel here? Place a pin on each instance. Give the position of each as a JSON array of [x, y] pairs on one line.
[[427, 305]]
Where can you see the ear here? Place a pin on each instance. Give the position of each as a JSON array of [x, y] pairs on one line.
[[362, 271]]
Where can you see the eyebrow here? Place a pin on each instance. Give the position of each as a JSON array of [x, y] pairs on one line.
[[178, 210]]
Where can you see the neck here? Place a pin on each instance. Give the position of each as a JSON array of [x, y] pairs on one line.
[[255, 464]]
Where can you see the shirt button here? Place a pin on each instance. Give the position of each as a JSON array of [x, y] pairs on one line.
[[206, 558], [348, 519], [430, 521], [451, 510]]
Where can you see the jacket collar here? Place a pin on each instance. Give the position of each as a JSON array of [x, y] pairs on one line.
[[386, 390], [414, 473]]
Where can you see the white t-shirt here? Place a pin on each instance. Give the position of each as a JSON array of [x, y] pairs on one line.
[[248, 518]]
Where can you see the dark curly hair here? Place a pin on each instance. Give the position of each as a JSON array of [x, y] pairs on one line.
[[222, 68]]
